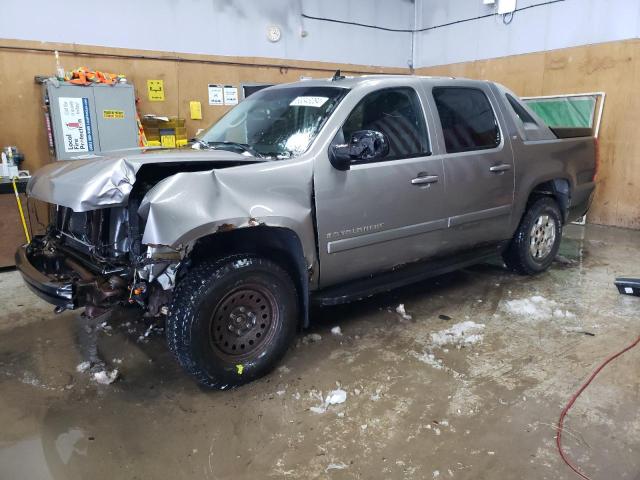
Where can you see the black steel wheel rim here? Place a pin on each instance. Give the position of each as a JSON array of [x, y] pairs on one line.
[[243, 321]]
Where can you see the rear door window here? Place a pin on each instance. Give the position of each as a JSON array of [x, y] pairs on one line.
[[467, 119], [395, 112]]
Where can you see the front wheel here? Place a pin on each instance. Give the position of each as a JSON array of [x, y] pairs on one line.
[[537, 240], [231, 320]]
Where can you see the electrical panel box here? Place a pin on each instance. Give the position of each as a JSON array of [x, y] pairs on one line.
[[89, 120]]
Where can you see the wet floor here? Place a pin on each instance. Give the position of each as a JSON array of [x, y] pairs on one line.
[[424, 398]]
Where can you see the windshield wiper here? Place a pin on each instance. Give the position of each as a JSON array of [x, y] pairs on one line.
[[245, 147]]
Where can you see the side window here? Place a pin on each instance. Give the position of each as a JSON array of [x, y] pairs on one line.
[[519, 110], [468, 121], [395, 112]]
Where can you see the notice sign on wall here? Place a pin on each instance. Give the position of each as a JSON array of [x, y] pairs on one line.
[[155, 90], [76, 124], [215, 95], [230, 95]]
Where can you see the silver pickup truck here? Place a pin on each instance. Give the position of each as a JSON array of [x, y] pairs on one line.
[[316, 192]]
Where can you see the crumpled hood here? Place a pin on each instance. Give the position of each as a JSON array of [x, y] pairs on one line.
[[100, 182]]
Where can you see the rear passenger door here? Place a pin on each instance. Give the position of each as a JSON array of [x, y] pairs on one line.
[[478, 165]]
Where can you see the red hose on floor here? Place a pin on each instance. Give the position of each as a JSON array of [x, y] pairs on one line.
[[573, 400]]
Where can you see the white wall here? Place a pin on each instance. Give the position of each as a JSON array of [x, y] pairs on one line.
[[559, 25], [221, 27]]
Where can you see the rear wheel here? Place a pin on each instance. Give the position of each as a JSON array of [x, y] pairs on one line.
[[232, 320], [537, 240]]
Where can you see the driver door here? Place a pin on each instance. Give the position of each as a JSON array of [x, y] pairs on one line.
[[387, 212]]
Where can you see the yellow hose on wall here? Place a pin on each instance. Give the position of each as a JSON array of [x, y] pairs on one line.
[[24, 223]]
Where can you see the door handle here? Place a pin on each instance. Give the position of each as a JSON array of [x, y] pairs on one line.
[[500, 168], [425, 180]]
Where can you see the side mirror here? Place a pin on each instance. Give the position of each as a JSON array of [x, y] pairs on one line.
[[364, 146]]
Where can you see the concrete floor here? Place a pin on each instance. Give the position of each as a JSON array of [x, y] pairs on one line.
[[413, 410]]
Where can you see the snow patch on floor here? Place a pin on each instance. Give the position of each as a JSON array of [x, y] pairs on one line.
[[460, 335], [430, 359], [536, 308]]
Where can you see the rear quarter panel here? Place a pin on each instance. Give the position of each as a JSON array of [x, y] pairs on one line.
[[543, 160]]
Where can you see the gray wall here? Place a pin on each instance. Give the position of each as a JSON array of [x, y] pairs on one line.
[[564, 24], [221, 27], [238, 27]]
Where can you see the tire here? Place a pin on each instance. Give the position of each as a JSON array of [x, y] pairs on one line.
[[537, 240], [231, 320]]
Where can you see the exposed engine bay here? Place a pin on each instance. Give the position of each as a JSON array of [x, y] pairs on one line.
[[101, 254]]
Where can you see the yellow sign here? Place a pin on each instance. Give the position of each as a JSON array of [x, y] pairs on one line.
[[155, 89], [168, 141], [196, 110], [113, 114]]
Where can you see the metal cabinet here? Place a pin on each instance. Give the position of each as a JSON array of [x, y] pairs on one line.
[[90, 120]]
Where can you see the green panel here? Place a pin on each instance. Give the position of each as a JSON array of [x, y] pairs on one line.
[[565, 112]]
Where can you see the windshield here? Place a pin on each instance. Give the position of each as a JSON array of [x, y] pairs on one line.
[[278, 123]]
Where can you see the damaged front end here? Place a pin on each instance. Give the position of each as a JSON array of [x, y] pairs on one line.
[[92, 254], [95, 260]]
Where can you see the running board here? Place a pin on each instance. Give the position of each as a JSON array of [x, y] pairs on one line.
[[411, 273]]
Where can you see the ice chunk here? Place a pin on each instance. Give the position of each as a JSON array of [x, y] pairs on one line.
[[105, 377], [336, 396], [402, 312]]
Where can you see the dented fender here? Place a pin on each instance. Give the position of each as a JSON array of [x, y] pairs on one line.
[[187, 206]]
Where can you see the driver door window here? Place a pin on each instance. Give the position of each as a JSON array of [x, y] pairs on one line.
[[396, 113]]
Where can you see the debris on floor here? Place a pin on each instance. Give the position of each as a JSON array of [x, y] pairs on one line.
[[562, 260], [335, 466], [402, 312], [336, 331], [311, 338], [83, 367], [334, 397], [460, 335]]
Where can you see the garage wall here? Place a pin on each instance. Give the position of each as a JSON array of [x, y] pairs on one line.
[[558, 24], [610, 67], [185, 78], [222, 27]]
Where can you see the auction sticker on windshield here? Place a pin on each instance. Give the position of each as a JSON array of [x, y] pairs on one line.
[[308, 101]]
